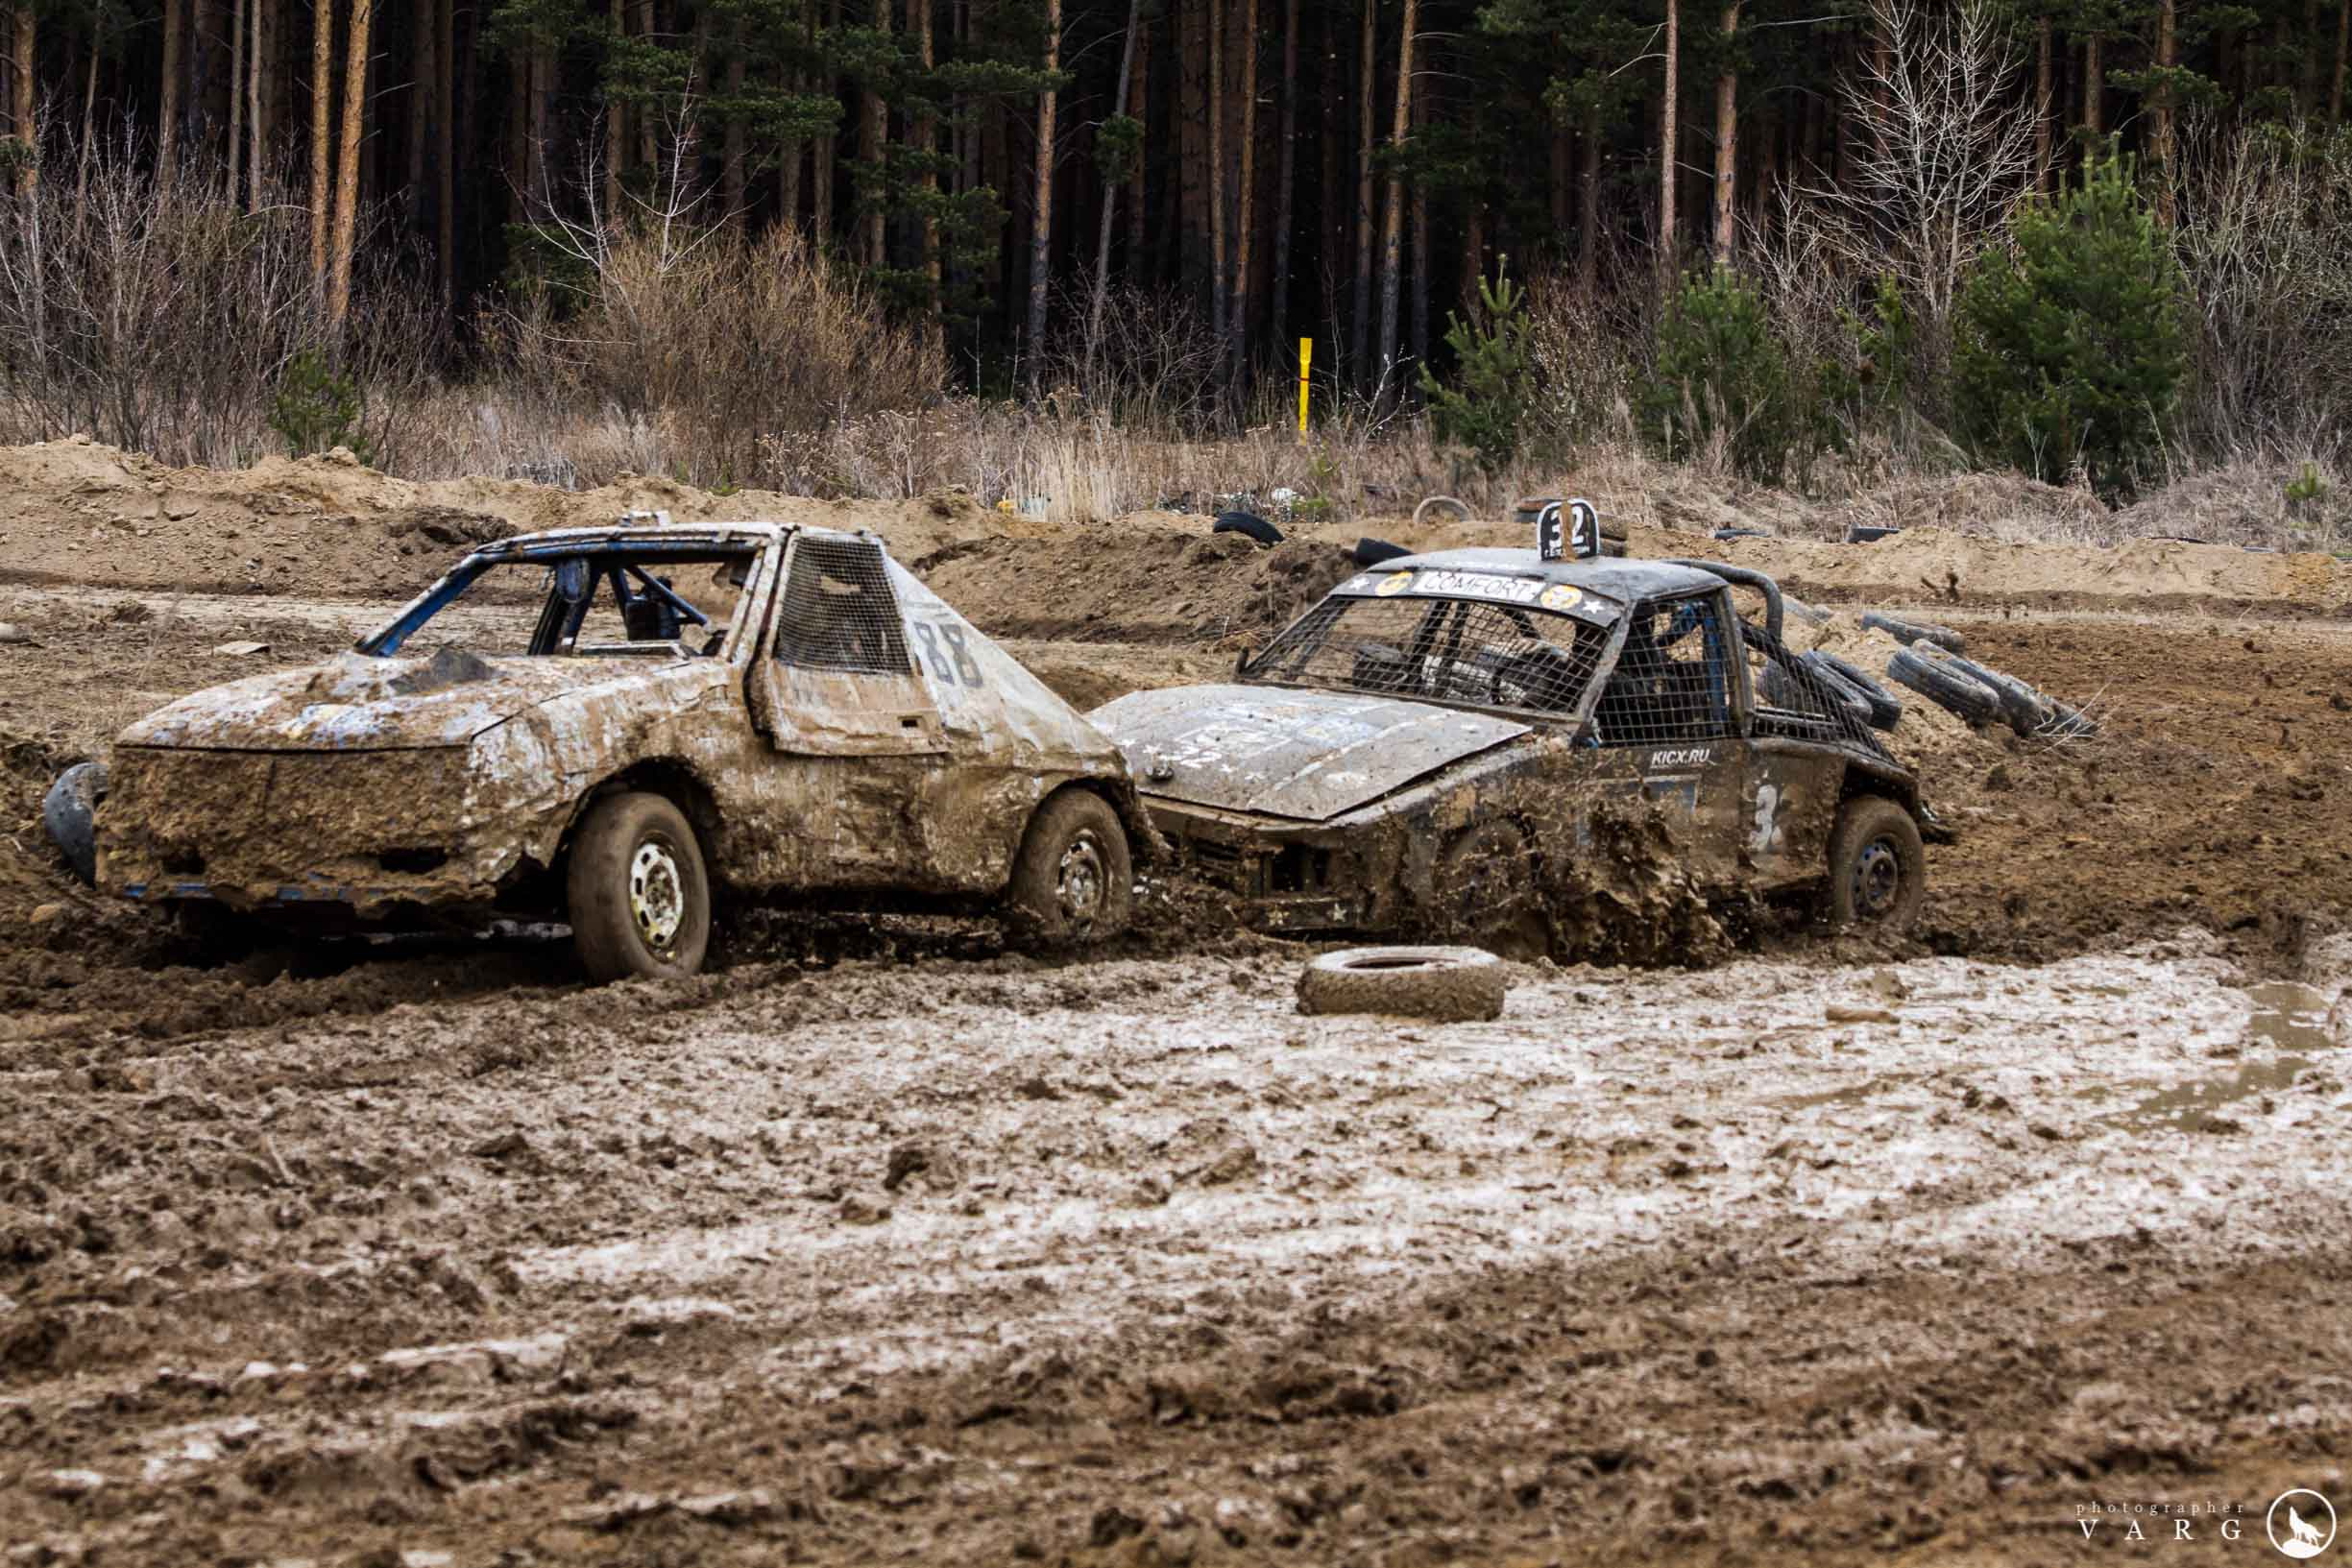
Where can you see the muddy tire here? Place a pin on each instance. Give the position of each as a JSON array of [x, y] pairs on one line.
[[2027, 711], [640, 897], [1932, 676], [1486, 884], [1909, 632], [1249, 525], [1877, 868], [1074, 882], [1454, 985], [70, 813], [1880, 709]]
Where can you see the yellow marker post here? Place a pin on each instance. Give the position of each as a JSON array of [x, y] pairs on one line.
[[1306, 355]]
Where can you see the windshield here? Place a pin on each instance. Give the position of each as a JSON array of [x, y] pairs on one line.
[[666, 602], [1473, 652]]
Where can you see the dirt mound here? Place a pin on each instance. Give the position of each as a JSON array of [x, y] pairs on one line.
[[1158, 586]]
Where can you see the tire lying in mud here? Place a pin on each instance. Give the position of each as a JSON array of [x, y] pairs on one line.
[[70, 812], [1877, 705], [1452, 985], [1911, 631], [2029, 712], [640, 897], [1249, 525], [1878, 866], [1371, 552], [1932, 674], [1074, 882]]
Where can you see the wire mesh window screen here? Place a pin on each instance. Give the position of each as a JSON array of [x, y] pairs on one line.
[[1673, 682], [839, 611], [1442, 650], [1796, 698]]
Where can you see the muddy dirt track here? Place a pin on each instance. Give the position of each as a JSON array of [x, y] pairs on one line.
[[884, 1244]]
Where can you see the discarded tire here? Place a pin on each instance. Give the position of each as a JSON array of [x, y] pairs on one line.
[[1867, 533], [1449, 984], [1371, 552], [2027, 711], [70, 810], [1879, 708], [1811, 613], [1909, 632], [1460, 509], [1247, 524], [1956, 690]]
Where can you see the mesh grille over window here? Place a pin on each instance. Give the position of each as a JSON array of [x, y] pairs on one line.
[[1440, 650], [839, 611], [1673, 681]]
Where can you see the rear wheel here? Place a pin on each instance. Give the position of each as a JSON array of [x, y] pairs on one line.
[[1073, 880], [1878, 867], [639, 896]]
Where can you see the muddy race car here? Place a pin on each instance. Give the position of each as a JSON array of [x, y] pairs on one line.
[[615, 727], [1446, 737]]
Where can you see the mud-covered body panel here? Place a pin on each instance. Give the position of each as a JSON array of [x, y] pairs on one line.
[[452, 782]]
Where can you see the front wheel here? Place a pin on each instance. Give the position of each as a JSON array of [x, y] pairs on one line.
[[1073, 880], [638, 894], [1877, 868]]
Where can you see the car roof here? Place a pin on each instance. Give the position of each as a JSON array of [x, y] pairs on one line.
[[1616, 577], [737, 534]]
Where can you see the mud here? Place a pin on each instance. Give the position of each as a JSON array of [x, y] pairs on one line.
[[881, 1240]]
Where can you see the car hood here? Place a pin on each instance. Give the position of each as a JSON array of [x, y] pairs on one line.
[[357, 703], [1308, 754]]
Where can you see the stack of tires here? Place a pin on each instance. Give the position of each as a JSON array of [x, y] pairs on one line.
[[1931, 664]]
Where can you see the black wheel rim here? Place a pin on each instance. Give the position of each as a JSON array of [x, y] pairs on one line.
[[1877, 878]]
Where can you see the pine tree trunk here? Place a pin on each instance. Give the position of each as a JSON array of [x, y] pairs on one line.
[[167, 133], [28, 97], [257, 100], [1392, 234], [321, 133], [2307, 90], [2043, 106], [346, 180], [616, 124], [926, 136], [1138, 212], [1041, 207], [822, 168], [1563, 180], [1727, 146], [2344, 52], [1667, 163], [1588, 207], [1220, 247], [648, 149], [1361, 335], [2094, 90], [873, 137], [445, 145], [1279, 307], [86, 153], [422, 111], [236, 97], [535, 149], [2167, 53], [731, 184], [1245, 207], [1110, 190]]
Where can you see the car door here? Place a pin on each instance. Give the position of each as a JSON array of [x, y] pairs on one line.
[[835, 691], [1669, 721], [1796, 776]]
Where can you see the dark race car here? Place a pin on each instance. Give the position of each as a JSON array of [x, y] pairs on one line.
[[1445, 736]]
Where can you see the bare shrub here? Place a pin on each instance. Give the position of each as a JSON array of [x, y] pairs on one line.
[[157, 314], [705, 340], [1150, 360], [2265, 242]]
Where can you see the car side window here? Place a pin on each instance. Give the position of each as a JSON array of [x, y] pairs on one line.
[[1672, 683], [838, 612]]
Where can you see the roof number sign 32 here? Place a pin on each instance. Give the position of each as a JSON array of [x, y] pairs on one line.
[[1572, 529]]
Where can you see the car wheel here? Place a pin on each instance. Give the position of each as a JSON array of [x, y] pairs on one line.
[[1073, 880], [1486, 885], [1452, 985], [1880, 709], [1878, 869], [639, 896]]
